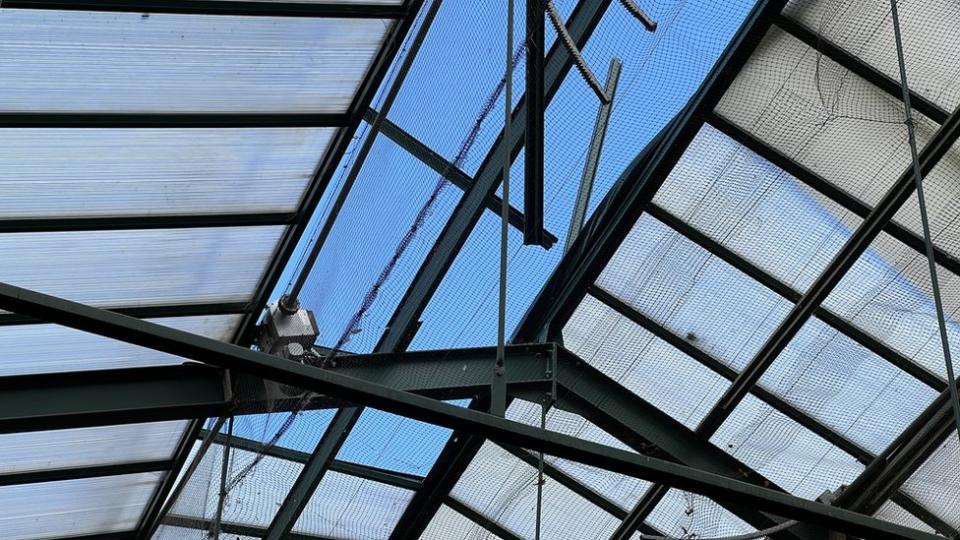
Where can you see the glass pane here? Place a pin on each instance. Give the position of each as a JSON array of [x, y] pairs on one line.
[[936, 484], [623, 490], [129, 172], [75, 507], [169, 532], [783, 451], [124, 62], [345, 506], [255, 494], [817, 113], [685, 289], [388, 441], [140, 267], [685, 515], [755, 209], [894, 513], [276, 428], [504, 489], [865, 30], [105, 445], [646, 365], [846, 387], [448, 524], [887, 293], [49, 348]]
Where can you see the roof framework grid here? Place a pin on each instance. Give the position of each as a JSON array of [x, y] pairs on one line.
[[429, 410], [126, 179]]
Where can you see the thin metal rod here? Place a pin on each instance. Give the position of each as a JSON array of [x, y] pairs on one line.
[[593, 155], [543, 425], [928, 241], [224, 469], [564, 36], [498, 401], [364, 151]]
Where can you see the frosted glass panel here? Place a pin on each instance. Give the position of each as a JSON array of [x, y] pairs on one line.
[[643, 363], [75, 507], [782, 450], [682, 513], [846, 387], [125, 172], [504, 489], [345, 506], [140, 267], [623, 490], [447, 524], [755, 209], [120, 62], [255, 497], [894, 513], [105, 445], [936, 484], [865, 30], [887, 293], [49, 348], [692, 293], [169, 532], [822, 116]]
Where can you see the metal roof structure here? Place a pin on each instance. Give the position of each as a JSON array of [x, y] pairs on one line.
[[742, 336]]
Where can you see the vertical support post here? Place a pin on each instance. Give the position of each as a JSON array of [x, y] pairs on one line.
[[593, 155], [224, 469], [498, 389], [533, 143]]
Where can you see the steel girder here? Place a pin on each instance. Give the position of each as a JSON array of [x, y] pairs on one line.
[[425, 409]]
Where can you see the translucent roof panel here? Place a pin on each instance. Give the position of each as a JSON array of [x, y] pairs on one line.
[[128, 62], [827, 119], [625, 491], [755, 209], [140, 267], [846, 387], [895, 513], [75, 507], [448, 524], [936, 484], [49, 348], [336, 507], [865, 30], [887, 293], [137, 172], [643, 363], [83, 447], [682, 513], [695, 295], [504, 488], [169, 532], [257, 493], [782, 450]]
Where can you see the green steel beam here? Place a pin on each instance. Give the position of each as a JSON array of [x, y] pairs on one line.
[[242, 8], [112, 223], [97, 398], [192, 346], [448, 170], [460, 448]]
